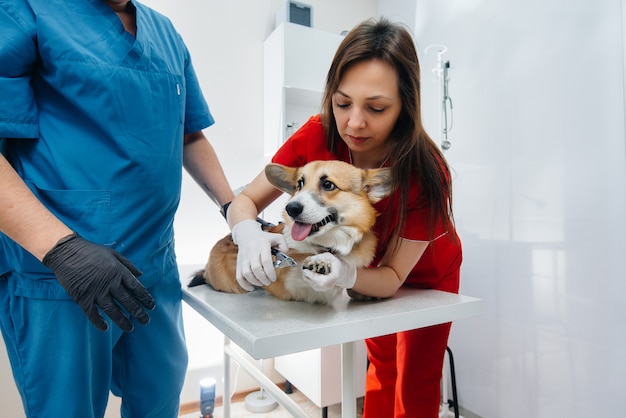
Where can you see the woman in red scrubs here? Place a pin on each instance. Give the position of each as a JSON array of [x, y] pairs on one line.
[[371, 118]]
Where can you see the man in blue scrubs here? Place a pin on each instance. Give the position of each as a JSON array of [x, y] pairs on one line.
[[100, 109]]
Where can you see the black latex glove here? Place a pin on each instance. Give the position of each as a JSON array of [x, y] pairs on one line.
[[96, 276]]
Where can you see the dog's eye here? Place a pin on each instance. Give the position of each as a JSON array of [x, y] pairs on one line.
[[300, 184], [328, 185]]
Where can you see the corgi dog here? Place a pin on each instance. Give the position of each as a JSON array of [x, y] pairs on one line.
[[330, 209]]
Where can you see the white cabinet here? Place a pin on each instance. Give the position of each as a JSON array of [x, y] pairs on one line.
[[296, 59], [317, 373]]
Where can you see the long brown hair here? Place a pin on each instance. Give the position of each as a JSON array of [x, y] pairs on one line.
[[414, 156]]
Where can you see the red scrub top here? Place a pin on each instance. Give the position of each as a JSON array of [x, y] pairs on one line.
[[439, 266]]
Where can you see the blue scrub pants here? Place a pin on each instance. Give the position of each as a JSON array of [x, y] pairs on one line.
[[64, 367]]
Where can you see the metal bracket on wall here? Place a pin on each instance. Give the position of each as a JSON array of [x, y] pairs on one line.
[[443, 77]]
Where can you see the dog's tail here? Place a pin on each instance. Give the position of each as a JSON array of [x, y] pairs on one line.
[[197, 279]]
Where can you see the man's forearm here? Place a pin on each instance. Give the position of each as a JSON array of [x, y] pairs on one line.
[[201, 162], [22, 216]]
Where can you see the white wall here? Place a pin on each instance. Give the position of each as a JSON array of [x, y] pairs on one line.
[[540, 198], [10, 403]]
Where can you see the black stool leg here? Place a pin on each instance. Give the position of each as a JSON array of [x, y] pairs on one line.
[[453, 379], [288, 387]]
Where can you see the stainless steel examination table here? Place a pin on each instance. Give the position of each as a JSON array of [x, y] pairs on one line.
[[265, 327]]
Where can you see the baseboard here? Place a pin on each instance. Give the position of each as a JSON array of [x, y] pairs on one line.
[[467, 414]]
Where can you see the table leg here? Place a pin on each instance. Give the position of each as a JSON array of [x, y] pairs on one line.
[[348, 378], [226, 397]]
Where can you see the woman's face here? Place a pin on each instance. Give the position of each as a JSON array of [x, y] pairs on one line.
[[366, 106]]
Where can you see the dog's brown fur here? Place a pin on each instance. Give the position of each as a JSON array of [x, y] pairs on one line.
[[333, 196]]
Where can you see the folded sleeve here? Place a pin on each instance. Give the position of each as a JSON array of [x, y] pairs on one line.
[[18, 55], [197, 113]]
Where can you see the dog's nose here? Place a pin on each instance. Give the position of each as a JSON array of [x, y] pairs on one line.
[[294, 209]]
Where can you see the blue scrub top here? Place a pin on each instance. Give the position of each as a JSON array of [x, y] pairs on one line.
[[96, 119]]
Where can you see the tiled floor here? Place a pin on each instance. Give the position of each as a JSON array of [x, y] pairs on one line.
[[238, 410]]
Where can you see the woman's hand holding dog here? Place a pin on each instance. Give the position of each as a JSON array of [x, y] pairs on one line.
[[255, 266], [324, 271]]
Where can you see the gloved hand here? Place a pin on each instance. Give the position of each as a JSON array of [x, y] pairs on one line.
[[98, 277], [255, 266], [324, 271]]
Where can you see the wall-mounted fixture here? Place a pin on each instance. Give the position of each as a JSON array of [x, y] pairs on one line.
[[443, 77], [294, 12]]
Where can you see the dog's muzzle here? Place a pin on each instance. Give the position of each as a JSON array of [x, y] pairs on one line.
[[300, 230]]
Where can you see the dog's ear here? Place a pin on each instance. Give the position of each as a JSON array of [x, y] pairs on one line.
[[377, 183], [282, 177]]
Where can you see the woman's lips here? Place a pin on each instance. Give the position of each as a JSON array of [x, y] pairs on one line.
[[357, 139]]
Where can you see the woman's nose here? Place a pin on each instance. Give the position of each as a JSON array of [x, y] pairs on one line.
[[356, 119]]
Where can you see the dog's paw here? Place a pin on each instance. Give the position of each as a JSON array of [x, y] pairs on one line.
[[354, 295], [317, 266]]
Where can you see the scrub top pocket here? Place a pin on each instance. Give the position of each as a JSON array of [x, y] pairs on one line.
[[88, 211], [164, 108]]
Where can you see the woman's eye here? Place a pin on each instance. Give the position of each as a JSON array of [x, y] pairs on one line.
[[328, 185], [342, 105], [377, 110]]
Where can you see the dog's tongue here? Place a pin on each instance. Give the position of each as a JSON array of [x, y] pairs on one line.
[[300, 231]]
